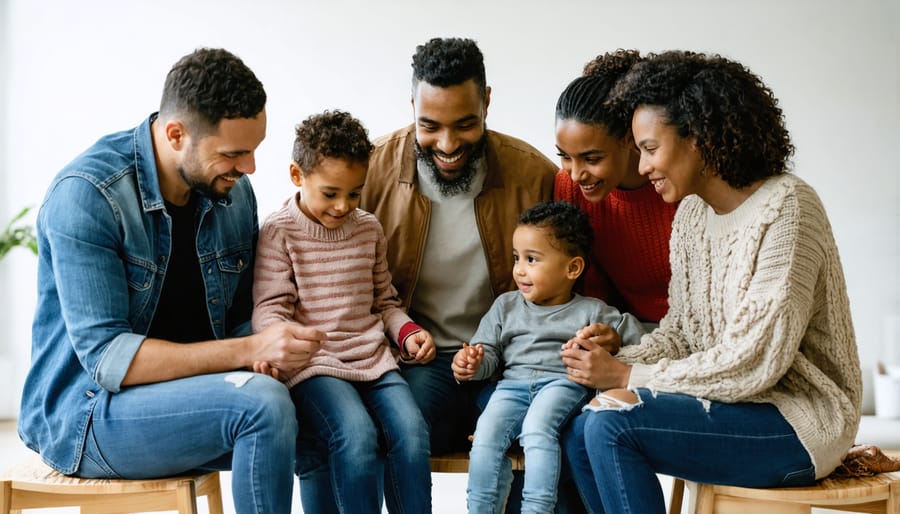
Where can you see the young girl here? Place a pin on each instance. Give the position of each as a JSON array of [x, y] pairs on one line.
[[752, 378], [522, 334], [321, 263]]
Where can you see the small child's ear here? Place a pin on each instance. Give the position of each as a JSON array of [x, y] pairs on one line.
[[576, 267], [296, 174]]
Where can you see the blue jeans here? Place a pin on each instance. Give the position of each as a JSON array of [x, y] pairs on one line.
[[207, 422], [449, 408], [615, 454], [352, 418], [534, 411]]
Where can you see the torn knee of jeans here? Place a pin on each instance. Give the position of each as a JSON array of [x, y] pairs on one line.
[[605, 402]]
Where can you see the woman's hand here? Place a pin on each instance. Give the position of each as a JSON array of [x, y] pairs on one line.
[[592, 366]]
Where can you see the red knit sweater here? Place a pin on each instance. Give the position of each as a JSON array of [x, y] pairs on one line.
[[629, 266]]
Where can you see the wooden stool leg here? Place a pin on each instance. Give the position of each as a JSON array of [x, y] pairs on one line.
[[214, 496], [5, 496], [893, 501], [703, 499], [186, 497], [677, 496]]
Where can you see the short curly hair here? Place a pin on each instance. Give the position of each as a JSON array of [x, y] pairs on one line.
[[210, 84], [583, 99], [334, 134], [445, 62], [566, 223], [730, 113]]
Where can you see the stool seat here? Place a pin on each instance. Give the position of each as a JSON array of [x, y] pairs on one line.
[[31, 484], [878, 494]]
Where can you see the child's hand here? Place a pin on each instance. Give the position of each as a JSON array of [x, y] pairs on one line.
[[419, 347], [267, 369], [467, 361]]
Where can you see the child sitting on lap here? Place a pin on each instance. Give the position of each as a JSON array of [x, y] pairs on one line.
[[523, 333], [322, 263]]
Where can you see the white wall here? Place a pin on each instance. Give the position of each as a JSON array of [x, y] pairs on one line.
[[78, 70]]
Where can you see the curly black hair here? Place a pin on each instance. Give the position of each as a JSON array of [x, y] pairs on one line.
[[334, 134], [445, 62], [210, 84], [566, 223], [732, 116], [583, 99]]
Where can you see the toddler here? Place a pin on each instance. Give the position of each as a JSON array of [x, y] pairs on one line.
[[523, 333]]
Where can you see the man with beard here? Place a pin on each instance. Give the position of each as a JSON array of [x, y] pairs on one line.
[[448, 192], [146, 248]]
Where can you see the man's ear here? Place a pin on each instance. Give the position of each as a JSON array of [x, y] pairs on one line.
[[487, 99], [296, 174], [575, 268], [177, 134]]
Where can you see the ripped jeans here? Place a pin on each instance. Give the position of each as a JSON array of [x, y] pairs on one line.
[[240, 421], [615, 453]]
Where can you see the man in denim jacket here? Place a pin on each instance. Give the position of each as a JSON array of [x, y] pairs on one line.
[[146, 242]]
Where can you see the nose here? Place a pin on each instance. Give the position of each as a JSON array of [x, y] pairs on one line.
[[247, 164], [341, 205], [517, 268], [644, 165], [577, 172], [447, 142]]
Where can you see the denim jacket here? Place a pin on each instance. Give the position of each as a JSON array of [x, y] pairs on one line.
[[103, 243]]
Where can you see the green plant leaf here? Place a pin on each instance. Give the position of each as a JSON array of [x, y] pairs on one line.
[[14, 236]]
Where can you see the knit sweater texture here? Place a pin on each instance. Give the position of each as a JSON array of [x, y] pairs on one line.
[[629, 265], [758, 312], [334, 280]]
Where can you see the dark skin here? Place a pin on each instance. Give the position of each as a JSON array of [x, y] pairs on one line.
[[590, 362]]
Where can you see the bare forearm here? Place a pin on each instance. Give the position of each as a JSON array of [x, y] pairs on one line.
[[158, 360]]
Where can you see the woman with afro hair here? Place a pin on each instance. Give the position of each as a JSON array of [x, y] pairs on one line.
[[752, 378]]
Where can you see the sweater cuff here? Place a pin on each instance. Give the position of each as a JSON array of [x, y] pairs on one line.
[[640, 376], [408, 329]]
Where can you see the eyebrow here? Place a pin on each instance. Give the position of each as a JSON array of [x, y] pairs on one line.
[[464, 119], [591, 151]]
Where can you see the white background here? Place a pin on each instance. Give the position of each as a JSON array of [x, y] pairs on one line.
[[74, 71]]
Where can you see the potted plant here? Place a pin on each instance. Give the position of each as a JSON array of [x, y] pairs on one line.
[[22, 235]]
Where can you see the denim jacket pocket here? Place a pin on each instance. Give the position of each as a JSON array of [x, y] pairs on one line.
[[140, 285], [230, 269]]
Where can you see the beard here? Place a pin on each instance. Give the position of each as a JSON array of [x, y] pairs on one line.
[[189, 169], [462, 182]]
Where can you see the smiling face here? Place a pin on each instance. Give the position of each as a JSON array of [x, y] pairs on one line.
[[450, 129], [544, 273], [212, 164], [596, 161], [671, 162], [331, 190]]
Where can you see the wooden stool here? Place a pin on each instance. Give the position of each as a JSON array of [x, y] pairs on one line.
[[879, 494], [459, 462], [32, 484]]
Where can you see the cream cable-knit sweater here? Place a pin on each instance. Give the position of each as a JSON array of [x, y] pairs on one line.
[[335, 280], [758, 312]]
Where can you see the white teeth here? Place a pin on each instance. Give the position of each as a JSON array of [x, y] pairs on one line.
[[448, 160], [658, 183], [590, 187]]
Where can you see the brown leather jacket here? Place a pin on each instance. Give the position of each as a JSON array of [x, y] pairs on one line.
[[518, 176]]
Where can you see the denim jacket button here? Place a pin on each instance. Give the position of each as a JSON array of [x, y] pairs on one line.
[[89, 394], [214, 301]]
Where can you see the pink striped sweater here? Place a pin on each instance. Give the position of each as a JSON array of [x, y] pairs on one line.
[[335, 280]]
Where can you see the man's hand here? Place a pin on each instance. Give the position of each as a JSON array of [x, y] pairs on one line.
[[467, 361], [282, 349], [419, 348]]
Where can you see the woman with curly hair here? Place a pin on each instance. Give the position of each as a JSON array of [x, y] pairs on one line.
[[752, 378]]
